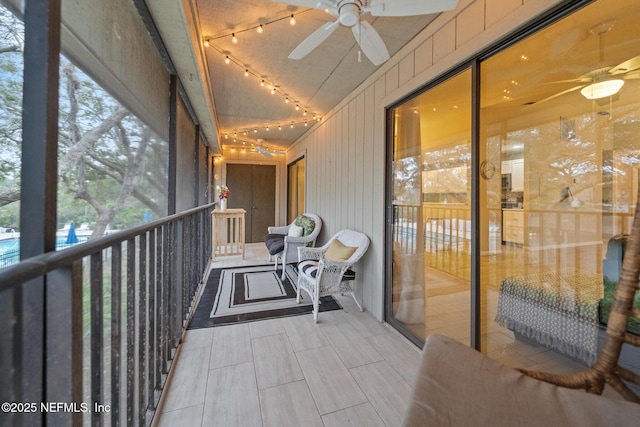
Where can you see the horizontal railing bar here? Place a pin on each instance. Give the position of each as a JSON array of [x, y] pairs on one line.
[[37, 266]]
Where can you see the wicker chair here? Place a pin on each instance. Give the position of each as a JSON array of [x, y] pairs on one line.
[[319, 276], [279, 237]]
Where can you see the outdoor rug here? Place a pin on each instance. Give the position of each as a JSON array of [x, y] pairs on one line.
[[245, 294]]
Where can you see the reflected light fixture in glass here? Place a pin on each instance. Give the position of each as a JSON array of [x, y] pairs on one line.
[[602, 89]]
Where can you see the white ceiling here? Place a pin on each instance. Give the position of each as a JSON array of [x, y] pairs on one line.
[[239, 104]]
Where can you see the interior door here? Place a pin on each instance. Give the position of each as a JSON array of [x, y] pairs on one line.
[[253, 188]]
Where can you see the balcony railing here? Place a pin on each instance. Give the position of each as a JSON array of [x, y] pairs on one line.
[[88, 334]]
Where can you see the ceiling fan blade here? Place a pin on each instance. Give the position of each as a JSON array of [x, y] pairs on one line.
[[573, 89], [632, 75], [370, 42], [314, 40], [577, 80], [409, 7], [267, 155], [628, 65]]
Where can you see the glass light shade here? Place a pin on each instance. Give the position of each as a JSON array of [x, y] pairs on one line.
[[602, 89]]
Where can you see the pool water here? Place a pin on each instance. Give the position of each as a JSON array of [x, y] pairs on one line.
[[10, 249]]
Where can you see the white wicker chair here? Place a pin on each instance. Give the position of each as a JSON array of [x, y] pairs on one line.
[[289, 254], [319, 277]]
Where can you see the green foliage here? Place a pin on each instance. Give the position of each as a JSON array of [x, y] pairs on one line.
[[112, 168]]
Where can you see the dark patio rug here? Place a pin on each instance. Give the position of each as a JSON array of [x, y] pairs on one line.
[[245, 294]]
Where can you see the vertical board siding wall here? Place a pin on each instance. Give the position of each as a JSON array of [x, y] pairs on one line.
[[345, 153]]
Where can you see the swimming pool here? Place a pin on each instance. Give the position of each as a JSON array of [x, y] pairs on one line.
[[10, 249]]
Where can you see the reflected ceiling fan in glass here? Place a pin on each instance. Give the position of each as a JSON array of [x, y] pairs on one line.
[[605, 81]]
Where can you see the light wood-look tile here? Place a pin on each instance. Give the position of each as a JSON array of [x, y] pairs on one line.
[[231, 345], [265, 328], [275, 361], [331, 317], [330, 382], [197, 338], [190, 416], [232, 397], [388, 393], [356, 416], [351, 346], [303, 333], [289, 405], [188, 385], [365, 323], [405, 359]]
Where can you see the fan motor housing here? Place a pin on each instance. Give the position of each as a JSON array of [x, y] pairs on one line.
[[349, 13]]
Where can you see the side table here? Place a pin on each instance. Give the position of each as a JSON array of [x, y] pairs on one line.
[[227, 229]]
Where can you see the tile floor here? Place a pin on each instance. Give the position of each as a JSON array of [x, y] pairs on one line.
[[346, 370]]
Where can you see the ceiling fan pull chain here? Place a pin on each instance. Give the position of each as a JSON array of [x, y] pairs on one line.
[[359, 39]]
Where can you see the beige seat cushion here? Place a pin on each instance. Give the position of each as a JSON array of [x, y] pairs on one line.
[[458, 386]]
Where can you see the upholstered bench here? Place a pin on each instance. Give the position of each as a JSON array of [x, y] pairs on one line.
[[458, 386]]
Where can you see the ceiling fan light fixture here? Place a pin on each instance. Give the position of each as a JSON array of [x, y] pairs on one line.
[[602, 89]]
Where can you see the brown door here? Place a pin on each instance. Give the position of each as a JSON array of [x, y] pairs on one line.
[[253, 188]]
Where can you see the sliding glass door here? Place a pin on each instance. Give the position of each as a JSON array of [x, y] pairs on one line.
[[557, 153], [431, 195]]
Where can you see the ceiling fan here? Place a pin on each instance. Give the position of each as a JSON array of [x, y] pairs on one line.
[[268, 153], [349, 12], [604, 81]]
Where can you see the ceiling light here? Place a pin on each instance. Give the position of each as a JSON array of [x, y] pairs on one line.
[[297, 107], [260, 29], [262, 83], [602, 89], [206, 43], [246, 73], [234, 39], [286, 100], [292, 21], [227, 60]]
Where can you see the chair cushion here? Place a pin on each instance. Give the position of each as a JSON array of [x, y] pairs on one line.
[[295, 231], [310, 268], [275, 243], [337, 251], [306, 223]]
